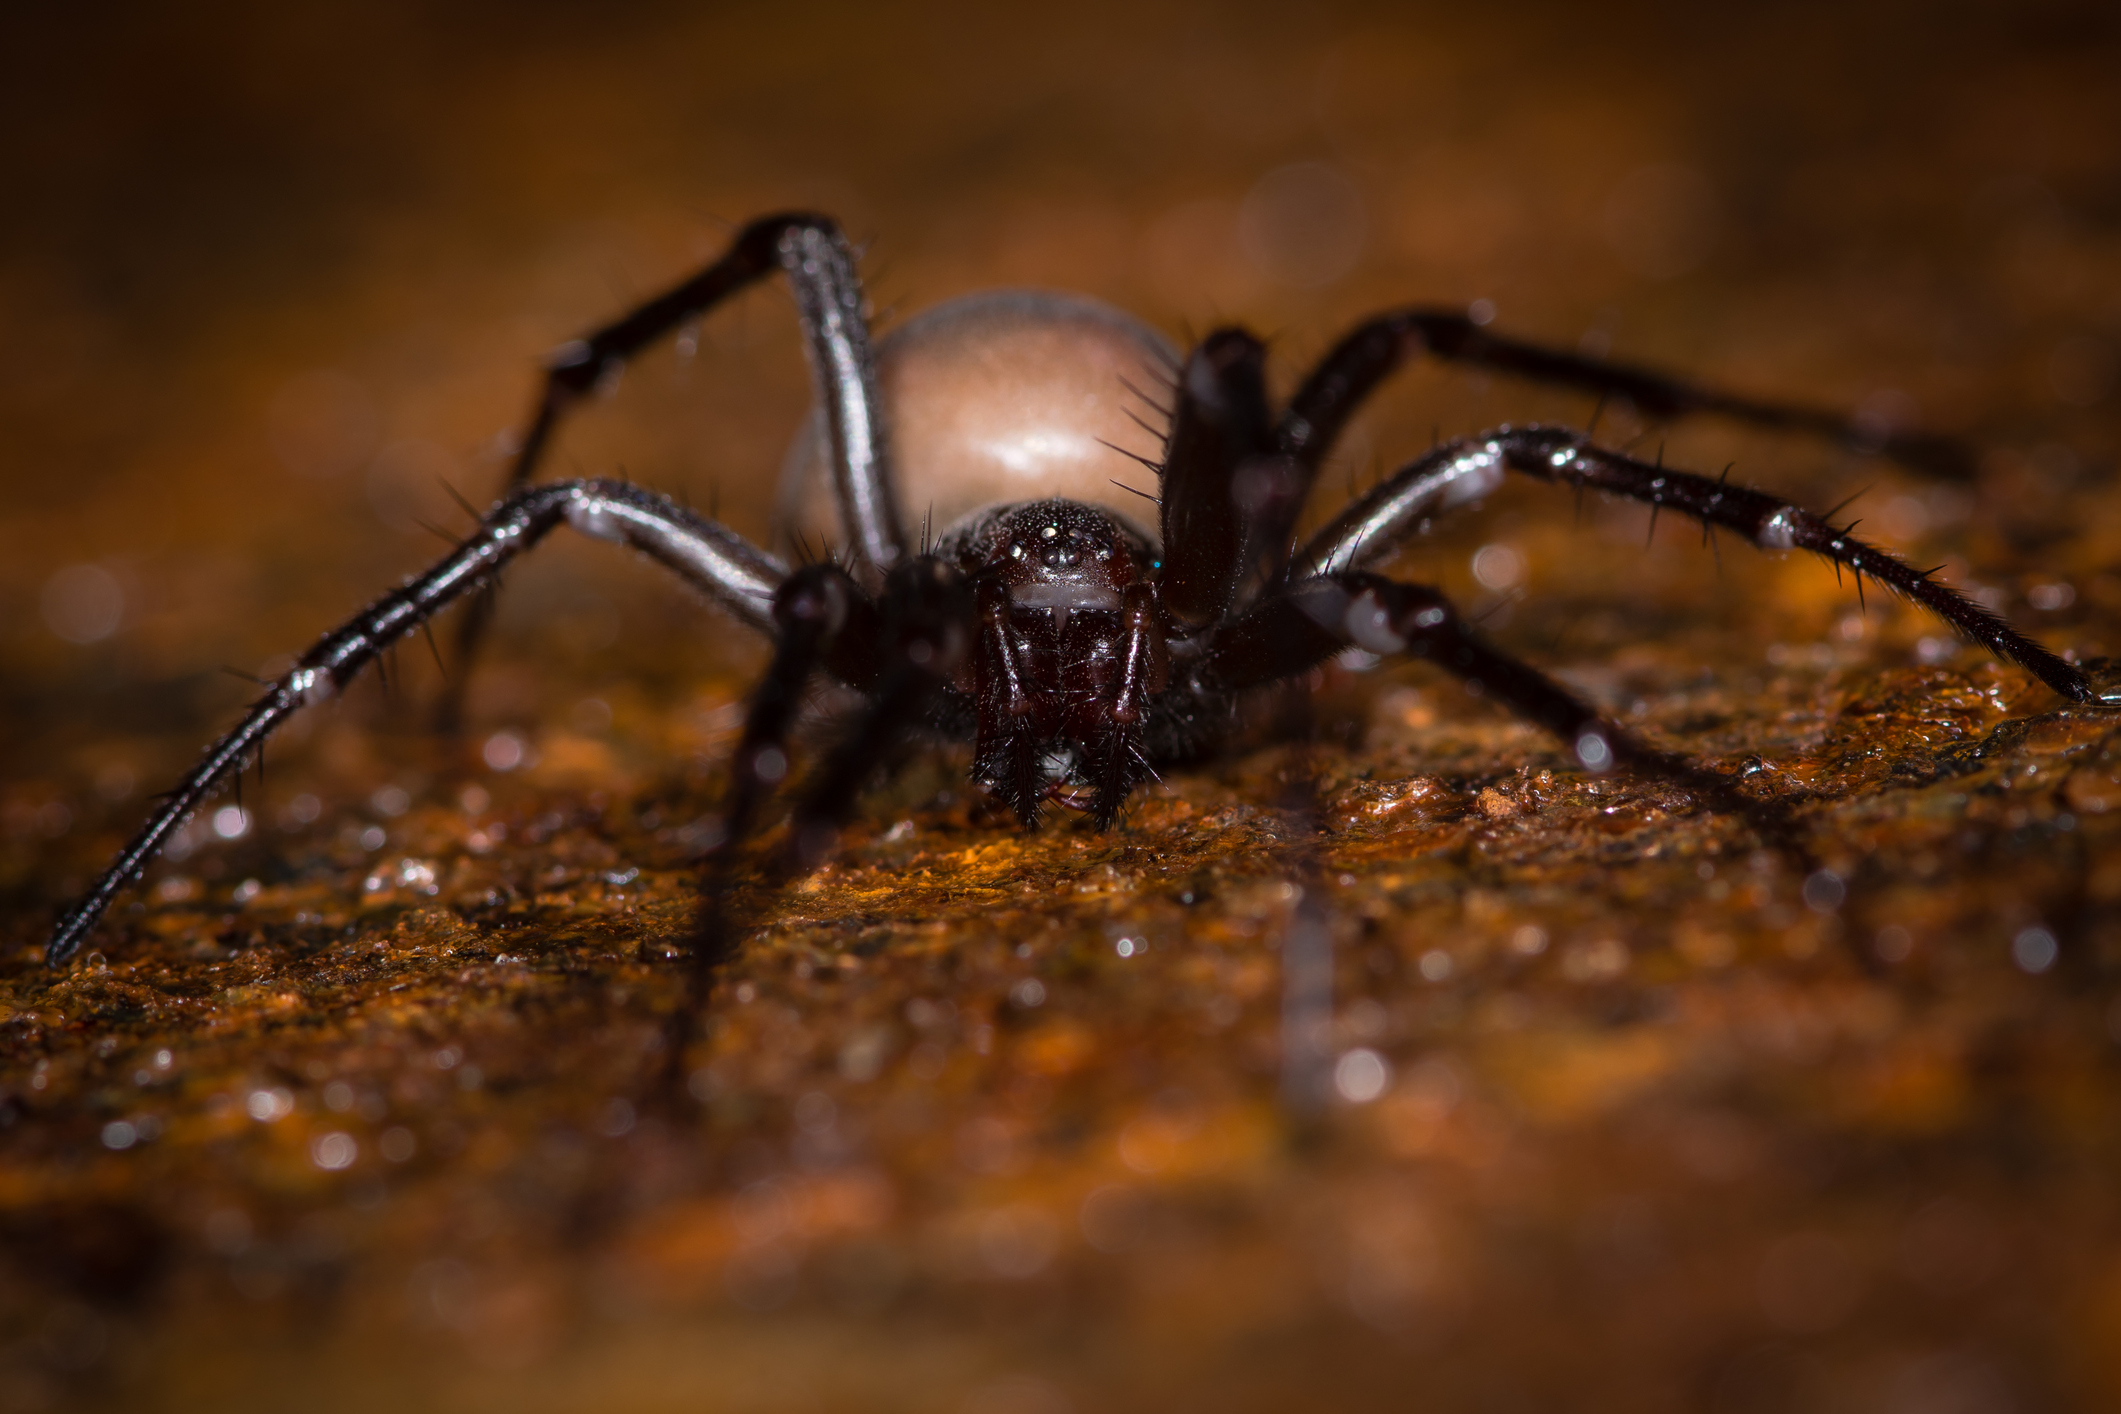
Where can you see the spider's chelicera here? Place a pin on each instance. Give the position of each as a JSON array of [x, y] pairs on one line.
[[1073, 647]]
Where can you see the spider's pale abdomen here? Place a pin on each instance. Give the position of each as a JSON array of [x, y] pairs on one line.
[[1004, 396]]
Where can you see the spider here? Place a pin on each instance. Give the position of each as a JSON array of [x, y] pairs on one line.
[[1074, 648]]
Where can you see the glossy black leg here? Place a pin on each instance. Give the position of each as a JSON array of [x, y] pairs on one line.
[[1378, 347], [821, 620], [1220, 476], [928, 622], [737, 575], [904, 652], [1380, 521], [1373, 350], [1316, 618], [828, 293], [820, 268]]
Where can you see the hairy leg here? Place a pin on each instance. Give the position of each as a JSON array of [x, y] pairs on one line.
[[1378, 347], [810, 250], [1317, 617], [1221, 477], [737, 575], [1379, 522]]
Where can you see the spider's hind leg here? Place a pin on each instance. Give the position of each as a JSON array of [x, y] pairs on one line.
[[1320, 409], [1372, 351], [820, 266]]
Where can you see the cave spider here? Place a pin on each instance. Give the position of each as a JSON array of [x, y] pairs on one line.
[[1075, 650]]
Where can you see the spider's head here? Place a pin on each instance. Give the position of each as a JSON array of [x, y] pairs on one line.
[[1070, 648], [1061, 556]]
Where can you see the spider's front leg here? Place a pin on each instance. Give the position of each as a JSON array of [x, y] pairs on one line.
[[735, 574], [924, 627], [1317, 617], [821, 619], [1378, 522], [1220, 480]]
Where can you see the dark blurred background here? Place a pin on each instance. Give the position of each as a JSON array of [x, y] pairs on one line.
[[268, 274], [271, 275]]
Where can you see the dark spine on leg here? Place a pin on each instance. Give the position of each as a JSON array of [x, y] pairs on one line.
[[1772, 523]]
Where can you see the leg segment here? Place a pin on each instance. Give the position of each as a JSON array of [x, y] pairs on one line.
[[1221, 478], [1377, 523], [1316, 618], [737, 575], [828, 295], [1373, 350], [1376, 348], [911, 647], [928, 617], [821, 617]]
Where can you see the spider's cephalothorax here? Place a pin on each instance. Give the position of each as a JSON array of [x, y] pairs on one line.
[[1070, 650], [1073, 649]]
